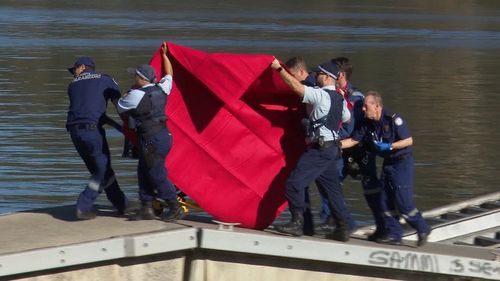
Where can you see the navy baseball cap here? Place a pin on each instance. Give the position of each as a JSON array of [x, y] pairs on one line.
[[145, 71], [82, 60], [329, 69]]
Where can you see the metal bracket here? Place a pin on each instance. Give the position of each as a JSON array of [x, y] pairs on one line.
[[226, 226]]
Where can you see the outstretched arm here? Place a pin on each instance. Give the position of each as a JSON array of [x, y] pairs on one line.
[[166, 64], [291, 81]]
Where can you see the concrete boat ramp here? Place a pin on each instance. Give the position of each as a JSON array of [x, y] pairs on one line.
[[49, 244]]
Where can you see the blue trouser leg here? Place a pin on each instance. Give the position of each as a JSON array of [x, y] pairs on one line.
[[146, 191], [393, 228], [324, 212], [111, 187], [86, 199], [372, 189], [398, 184], [89, 144], [402, 184], [152, 173], [308, 218], [373, 195], [331, 188], [115, 195], [310, 165], [321, 165], [93, 148]]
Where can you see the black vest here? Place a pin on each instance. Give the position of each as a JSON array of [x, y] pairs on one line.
[[149, 115], [333, 120], [334, 117]]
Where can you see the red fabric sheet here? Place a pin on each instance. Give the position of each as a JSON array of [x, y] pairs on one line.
[[236, 131]]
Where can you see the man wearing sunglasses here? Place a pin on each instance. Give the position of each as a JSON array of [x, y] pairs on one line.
[[326, 110]]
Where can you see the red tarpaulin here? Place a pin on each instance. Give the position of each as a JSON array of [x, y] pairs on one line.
[[236, 131]]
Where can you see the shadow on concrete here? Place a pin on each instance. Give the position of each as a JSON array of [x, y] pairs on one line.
[[68, 213]]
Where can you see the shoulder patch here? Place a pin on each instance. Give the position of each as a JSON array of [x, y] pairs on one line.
[[398, 121]]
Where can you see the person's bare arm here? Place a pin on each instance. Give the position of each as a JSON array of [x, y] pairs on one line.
[[166, 64], [291, 81], [400, 144], [347, 143]]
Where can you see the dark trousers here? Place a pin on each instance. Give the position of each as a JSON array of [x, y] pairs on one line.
[[320, 165], [397, 179], [90, 143], [369, 181], [151, 171], [372, 188]]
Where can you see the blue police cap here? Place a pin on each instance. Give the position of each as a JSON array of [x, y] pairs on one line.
[[329, 69], [145, 71], [82, 60]]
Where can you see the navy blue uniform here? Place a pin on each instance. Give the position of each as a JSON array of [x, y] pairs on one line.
[[88, 95], [359, 156], [318, 163], [362, 158], [146, 106], [397, 174]]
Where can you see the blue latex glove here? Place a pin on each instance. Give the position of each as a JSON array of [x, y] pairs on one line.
[[382, 146]]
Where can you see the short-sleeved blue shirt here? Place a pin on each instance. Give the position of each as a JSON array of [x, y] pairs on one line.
[[390, 128], [89, 94], [355, 98]]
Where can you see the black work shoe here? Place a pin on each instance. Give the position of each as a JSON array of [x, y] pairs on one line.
[[175, 212], [324, 229], [158, 207], [144, 213], [422, 238], [85, 215], [342, 235], [293, 228], [130, 207], [388, 240], [375, 235]]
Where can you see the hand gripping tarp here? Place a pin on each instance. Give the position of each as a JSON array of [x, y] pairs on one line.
[[236, 131]]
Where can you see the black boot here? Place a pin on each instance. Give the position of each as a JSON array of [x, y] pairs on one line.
[[116, 196], [422, 238], [325, 228], [378, 233], [85, 215], [175, 212], [295, 227], [145, 212], [341, 232]]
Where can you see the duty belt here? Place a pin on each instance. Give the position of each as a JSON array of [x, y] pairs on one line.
[[325, 144], [395, 159], [151, 131], [82, 126]]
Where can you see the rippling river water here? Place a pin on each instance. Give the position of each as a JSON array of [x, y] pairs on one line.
[[436, 62]]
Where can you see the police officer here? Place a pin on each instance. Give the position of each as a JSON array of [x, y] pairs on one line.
[[326, 110], [391, 138], [359, 161], [298, 68], [89, 93], [145, 104]]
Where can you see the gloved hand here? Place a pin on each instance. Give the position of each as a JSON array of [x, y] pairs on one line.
[[382, 146]]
